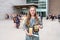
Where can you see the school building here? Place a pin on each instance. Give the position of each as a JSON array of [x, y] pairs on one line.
[[43, 7]]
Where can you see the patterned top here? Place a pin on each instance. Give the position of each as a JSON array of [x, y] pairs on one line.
[[32, 22]]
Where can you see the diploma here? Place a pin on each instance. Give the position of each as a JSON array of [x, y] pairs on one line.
[[35, 35]]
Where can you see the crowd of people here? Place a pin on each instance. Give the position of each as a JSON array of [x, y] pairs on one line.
[[53, 17]]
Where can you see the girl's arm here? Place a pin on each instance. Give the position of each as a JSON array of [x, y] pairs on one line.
[[25, 28]]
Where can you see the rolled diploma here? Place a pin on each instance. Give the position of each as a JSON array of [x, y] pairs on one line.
[[35, 35]]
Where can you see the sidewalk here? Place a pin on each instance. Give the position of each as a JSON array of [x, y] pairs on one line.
[[50, 31]]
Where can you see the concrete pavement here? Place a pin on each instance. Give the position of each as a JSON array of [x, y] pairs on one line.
[[50, 31]]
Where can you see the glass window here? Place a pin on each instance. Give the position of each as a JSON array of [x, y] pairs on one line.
[[42, 4], [32, 1]]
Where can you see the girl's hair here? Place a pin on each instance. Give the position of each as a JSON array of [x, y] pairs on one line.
[[29, 16]]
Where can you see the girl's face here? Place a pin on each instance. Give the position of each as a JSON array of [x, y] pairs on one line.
[[32, 11]]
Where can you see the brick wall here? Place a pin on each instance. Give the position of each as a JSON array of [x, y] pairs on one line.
[[54, 6]]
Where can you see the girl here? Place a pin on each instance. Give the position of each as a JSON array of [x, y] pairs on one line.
[[32, 20]]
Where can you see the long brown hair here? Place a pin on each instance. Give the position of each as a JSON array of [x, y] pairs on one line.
[[29, 16]]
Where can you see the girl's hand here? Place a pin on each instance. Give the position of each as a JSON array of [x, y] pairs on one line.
[[29, 34]]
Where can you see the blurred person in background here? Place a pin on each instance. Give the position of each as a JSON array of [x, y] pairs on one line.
[[16, 20], [52, 17], [7, 16], [59, 17]]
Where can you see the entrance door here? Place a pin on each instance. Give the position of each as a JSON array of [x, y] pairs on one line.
[[43, 14]]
